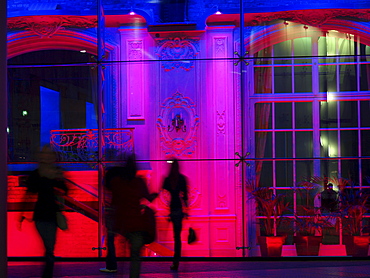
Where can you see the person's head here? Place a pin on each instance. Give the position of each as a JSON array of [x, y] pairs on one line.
[[175, 167], [47, 155]]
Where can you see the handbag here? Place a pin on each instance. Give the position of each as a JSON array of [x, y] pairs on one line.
[[61, 221], [192, 236]]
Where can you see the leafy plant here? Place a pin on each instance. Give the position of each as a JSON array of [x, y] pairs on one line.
[[353, 206], [269, 205]]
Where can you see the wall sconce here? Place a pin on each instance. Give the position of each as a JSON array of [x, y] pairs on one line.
[[177, 124]]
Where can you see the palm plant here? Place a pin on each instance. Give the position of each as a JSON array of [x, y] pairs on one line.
[[271, 206], [353, 206], [308, 220]]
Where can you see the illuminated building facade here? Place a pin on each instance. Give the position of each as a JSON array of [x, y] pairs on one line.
[[238, 91]]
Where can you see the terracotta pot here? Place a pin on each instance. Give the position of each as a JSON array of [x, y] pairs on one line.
[[271, 246], [357, 246], [307, 245]]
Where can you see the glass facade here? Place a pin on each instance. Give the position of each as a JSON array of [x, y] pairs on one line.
[[235, 98]]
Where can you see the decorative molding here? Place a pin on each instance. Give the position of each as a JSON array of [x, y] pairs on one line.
[[178, 143], [135, 50], [135, 80], [220, 46], [221, 122], [173, 51], [315, 18], [47, 26]]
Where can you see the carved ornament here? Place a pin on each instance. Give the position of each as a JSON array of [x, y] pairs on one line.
[[315, 18], [178, 143], [47, 26], [174, 51]]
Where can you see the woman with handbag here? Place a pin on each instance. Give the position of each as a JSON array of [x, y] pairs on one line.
[[176, 184], [45, 181]]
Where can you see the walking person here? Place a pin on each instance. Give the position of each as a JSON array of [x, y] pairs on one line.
[[44, 181], [109, 214], [128, 190], [176, 184]]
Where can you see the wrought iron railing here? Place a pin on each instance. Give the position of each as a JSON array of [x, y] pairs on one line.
[[77, 145]]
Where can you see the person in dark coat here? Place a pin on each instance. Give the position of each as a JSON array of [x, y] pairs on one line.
[[176, 184], [128, 191], [47, 182]]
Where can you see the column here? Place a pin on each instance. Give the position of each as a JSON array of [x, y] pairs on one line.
[[3, 141]]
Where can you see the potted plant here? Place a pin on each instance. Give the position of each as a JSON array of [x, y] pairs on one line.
[[308, 220], [271, 207], [353, 206]]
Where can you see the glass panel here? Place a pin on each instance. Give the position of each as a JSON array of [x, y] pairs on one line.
[[328, 79], [346, 48], [284, 173], [263, 80], [329, 168], [283, 79], [265, 174], [283, 115], [349, 143], [304, 169], [348, 78], [328, 114], [350, 170], [327, 48], [303, 114], [364, 113], [304, 144], [365, 146], [283, 145], [263, 116], [303, 79], [53, 105], [283, 50], [364, 68], [302, 48], [264, 144], [348, 114], [266, 52], [329, 143], [365, 171]]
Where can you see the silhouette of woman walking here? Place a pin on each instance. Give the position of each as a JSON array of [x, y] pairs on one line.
[[176, 184]]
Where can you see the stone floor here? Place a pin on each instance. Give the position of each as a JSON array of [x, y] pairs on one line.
[[288, 268]]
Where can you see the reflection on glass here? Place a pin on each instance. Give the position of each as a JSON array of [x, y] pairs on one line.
[[349, 142], [283, 145], [284, 173], [348, 78], [283, 115], [302, 48], [348, 114], [328, 114], [364, 113], [327, 79], [283, 79], [327, 48], [302, 79], [328, 143], [304, 144]]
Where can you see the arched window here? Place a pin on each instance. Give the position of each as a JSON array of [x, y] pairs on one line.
[[309, 92]]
